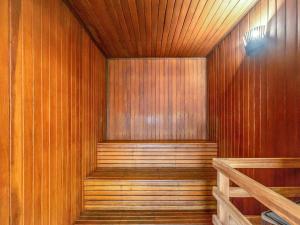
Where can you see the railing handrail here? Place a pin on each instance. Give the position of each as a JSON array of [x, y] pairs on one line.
[[274, 201], [256, 163]]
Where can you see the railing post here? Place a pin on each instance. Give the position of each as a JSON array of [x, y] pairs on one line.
[[223, 187]]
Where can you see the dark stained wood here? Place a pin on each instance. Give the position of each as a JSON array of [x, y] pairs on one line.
[[156, 99], [165, 28], [253, 101], [172, 154], [51, 74]]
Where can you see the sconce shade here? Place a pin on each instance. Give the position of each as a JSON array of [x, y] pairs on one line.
[[255, 40]]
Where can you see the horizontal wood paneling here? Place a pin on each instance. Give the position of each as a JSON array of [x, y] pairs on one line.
[[55, 73], [152, 155], [150, 189], [156, 99], [160, 28], [178, 217], [254, 105]]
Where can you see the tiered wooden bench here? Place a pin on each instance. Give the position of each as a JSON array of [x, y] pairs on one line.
[[148, 182], [156, 154]]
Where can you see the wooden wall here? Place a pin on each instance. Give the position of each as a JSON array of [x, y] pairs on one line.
[[156, 99], [254, 108], [49, 112], [4, 113]]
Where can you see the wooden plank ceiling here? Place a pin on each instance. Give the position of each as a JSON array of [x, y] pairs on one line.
[[159, 28]]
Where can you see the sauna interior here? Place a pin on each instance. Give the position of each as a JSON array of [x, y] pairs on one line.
[[150, 112]]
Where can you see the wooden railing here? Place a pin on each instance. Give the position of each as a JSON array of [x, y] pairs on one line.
[[272, 198]]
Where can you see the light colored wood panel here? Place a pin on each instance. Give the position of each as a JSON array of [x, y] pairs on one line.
[[134, 182], [144, 190], [5, 113], [280, 205], [16, 168], [233, 211], [28, 80], [166, 207], [289, 192], [54, 78], [274, 163], [146, 217], [149, 188], [163, 154]]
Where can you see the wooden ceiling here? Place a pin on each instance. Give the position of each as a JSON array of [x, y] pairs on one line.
[[159, 28]]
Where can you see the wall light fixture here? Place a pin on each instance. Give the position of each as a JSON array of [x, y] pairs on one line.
[[255, 40]]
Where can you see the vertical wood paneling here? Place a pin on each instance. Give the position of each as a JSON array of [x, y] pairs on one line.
[[157, 99], [5, 113], [254, 101], [51, 112]]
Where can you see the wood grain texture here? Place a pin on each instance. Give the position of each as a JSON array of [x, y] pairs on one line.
[[159, 28], [150, 189], [147, 176], [176, 217], [288, 192], [49, 112], [5, 113], [156, 155], [283, 207], [156, 99], [254, 106]]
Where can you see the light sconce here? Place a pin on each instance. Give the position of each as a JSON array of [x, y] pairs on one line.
[[255, 40]]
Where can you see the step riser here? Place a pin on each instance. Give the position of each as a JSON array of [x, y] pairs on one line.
[[148, 195]]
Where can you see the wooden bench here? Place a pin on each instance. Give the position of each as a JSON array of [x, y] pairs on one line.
[[150, 189], [179, 217], [156, 154], [151, 183]]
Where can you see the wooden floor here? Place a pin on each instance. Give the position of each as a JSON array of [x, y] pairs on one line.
[[145, 190]]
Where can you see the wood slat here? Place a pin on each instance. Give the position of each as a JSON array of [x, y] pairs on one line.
[[166, 28], [152, 182], [51, 73], [274, 163], [139, 154], [149, 189], [289, 192], [282, 206], [200, 217], [232, 210], [5, 113], [252, 101], [156, 99], [157, 143], [149, 207]]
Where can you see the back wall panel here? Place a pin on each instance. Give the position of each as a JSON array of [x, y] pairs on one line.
[[156, 99]]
